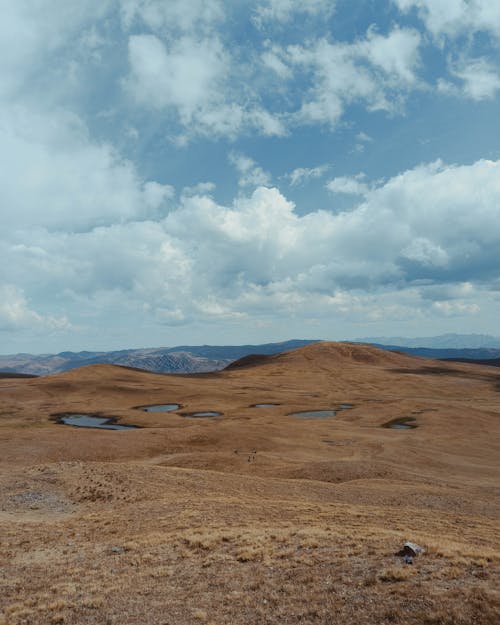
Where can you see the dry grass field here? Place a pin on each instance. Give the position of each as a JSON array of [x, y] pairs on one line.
[[256, 516]]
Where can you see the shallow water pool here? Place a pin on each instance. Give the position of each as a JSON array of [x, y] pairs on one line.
[[203, 414], [314, 414], [263, 405], [160, 408], [401, 423], [92, 421]]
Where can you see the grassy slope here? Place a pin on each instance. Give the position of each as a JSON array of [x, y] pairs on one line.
[[168, 524]]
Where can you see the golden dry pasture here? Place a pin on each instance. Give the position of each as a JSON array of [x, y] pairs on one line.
[[256, 516]]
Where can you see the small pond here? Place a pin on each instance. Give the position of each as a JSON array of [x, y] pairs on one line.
[[401, 423], [314, 414], [263, 405], [160, 408], [93, 421], [344, 406], [201, 415]]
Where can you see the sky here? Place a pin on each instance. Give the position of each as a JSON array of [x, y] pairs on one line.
[[223, 172]]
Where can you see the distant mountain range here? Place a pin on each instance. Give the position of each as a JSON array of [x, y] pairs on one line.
[[480, 355], [443, 341], [180, 359], [204, 358], [476, 348]]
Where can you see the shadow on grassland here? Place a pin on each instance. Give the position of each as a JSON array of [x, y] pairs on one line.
[[492, 378]]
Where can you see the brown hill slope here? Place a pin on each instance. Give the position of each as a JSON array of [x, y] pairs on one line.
[[329, 354], [256, 515]]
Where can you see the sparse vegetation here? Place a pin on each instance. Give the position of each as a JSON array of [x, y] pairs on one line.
[[167, 525]]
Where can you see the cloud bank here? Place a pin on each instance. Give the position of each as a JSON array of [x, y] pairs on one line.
[[420, 236]]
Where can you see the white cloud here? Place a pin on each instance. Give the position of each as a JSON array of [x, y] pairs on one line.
[[303, 174], [425, 252], [363, 137], [455, 308], [32, 31], [431, 226], [174, 15], [193, 78], [188, 75], [395, 54], [362, 140], [202, 188], [448, 88], [251, 174], [481, 79], [284, 10], [350, 185], [336, 80], [56, 177], [15, 313], [265, 122], [272, 59], [376, 71], [453, 17]]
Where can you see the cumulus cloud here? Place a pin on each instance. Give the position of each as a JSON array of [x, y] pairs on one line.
[[273, 59], [186, 75], [56, 177], [350, 185], [480, 78], [29, 32], [303, 174], [376, 71], [396, 54], [202, 188], [284, 10], [454, 17], [211, 91], [251, 174], [362, 140], [417, 225], [174, 15], [363, 137], [193, 79], [15, 313], [455, 309], [423, 243]]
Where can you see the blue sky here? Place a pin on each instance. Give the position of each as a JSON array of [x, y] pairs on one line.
[[219, 171]]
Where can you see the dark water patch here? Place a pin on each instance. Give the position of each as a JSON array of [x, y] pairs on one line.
[[344, 406], [202, 415], [160, 408], [314, 414], [270, 405], [92, 421], [401, 423]]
